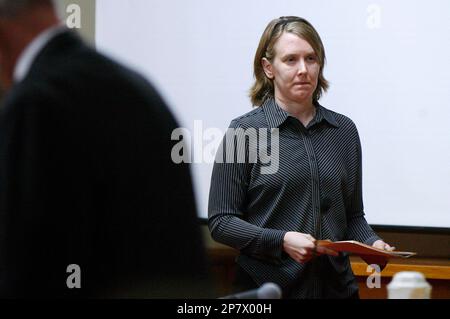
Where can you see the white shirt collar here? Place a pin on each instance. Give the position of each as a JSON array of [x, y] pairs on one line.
[[30, 52]]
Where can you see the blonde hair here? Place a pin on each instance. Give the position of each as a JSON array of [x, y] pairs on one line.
[[263, 87]]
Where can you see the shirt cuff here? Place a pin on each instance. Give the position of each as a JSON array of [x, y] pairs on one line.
[[271, 244], [371, 240]]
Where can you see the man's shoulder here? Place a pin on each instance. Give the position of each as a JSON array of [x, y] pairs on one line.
[[89, 94], [69, 61], [79, 76]]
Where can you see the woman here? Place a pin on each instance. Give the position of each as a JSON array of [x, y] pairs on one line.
[[315, 193]]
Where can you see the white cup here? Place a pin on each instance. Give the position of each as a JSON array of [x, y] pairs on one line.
[[409, 285]]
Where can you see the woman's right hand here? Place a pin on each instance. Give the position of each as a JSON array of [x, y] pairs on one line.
[[302, 247]]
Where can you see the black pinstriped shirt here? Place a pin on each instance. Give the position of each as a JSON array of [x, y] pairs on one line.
[[317, 189]]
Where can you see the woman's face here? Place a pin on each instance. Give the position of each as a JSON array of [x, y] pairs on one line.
[[294, 69]]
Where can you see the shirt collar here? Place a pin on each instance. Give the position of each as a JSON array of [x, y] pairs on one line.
[[276, 116], [30, 52], [326, 115]]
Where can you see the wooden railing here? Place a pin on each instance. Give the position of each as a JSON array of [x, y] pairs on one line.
[[436, 271]]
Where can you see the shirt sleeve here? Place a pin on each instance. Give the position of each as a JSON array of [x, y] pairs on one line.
[[227, 198], [357, 227]]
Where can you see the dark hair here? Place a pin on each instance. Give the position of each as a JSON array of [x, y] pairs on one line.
[[10, 8]]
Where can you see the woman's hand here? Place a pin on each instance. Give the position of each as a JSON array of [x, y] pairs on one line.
[[302, 247], [382, 245]]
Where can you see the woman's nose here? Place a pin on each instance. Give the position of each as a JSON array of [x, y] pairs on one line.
[[302, 66]]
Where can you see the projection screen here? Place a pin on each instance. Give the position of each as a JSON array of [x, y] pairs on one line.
[[388, 63]]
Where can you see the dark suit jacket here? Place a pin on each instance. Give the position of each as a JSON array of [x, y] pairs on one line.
[[86, 178]]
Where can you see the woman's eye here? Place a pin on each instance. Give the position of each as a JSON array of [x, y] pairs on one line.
[[311, 58]]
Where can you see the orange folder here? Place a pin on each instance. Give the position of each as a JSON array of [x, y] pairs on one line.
[[369, 254]]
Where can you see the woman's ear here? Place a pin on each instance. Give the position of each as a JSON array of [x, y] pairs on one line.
[[267, 67]]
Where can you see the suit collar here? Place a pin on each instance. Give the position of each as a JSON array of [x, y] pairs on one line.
[[58, 49], [32, 50]]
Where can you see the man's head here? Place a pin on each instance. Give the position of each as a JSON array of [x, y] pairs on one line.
[[12, 8], [20, 22]]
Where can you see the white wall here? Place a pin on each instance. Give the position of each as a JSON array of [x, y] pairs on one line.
[[388, 64]]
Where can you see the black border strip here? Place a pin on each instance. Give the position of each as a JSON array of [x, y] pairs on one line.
[[390, 228], [412, 229]]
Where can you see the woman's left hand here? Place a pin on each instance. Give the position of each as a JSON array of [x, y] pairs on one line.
[[382, 245]]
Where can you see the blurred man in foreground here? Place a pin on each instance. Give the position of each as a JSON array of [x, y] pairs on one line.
[[86, 177]]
